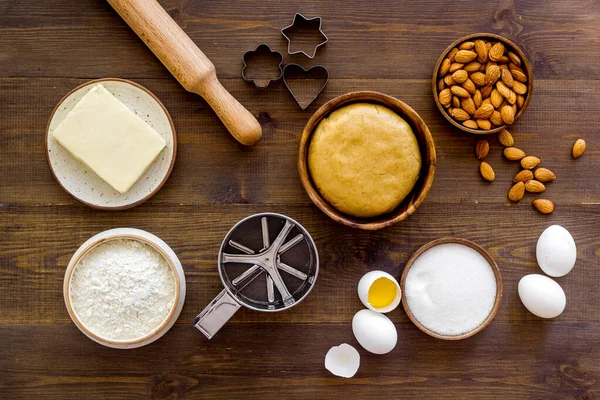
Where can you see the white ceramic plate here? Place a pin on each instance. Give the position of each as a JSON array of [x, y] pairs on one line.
[[80, 181], [157, 244]]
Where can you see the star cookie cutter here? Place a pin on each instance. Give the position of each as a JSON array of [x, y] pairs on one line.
[[304, 25], [260, 56]]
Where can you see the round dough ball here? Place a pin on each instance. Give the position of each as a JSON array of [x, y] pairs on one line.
[[364, 159]]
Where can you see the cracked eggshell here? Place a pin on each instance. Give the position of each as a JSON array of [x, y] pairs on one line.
[[365, 284], [556, 251], [342, 360], [542, 296], [374, 331]]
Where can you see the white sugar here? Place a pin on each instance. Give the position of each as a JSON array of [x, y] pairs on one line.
[[122, 290], [450, 289]]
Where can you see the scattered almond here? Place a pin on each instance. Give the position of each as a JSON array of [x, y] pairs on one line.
[[523, 176], [505, 138], [544, 206], [579, 148], [487, 172], [544, 175], [534, 186], [529, 162], [482, 148], [513, 153], [517, 192]]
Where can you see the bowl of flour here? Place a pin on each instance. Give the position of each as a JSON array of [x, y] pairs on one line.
[[124, 288], [451, 288]]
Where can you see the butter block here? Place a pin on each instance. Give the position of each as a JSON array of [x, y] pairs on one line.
[[109, 138]]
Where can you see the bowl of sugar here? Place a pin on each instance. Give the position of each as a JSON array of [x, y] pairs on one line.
[[451, 288], [124, 288]]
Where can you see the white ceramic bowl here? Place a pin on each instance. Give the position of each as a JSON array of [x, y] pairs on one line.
[[163, 249]]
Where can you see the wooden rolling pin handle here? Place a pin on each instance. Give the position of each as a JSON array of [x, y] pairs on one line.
[[187, 63]]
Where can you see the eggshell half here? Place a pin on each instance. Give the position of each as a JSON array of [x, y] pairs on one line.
[[542, 296], [374, 331], [365, 284], [556, 251], [342, 360]]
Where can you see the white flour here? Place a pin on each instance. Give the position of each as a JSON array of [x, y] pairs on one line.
[[450, 289], [122, 290]]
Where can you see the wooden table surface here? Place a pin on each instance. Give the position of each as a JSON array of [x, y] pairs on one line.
[[49, 47]]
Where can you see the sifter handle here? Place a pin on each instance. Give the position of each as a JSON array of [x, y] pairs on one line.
[[187, 63], [216, 314]]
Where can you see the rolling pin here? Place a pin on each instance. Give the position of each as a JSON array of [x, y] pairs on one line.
[[187, 63]]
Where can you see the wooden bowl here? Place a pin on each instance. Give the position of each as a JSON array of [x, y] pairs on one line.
[[488, 258], [525, 65], [157, 244], [426, 146]]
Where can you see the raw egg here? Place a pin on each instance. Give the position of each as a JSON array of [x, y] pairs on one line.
[[374, 331], [542, 296], [379, 291], [556, 251]]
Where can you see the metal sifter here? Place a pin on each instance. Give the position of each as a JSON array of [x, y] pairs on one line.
[[267, 262]]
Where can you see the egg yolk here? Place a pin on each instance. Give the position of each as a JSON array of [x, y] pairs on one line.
[[382, 293]]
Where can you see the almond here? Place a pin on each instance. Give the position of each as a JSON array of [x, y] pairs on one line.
[[477, 98], [466, 46], [487, 171], [496, 98], [459, 91], [445, 67], [514, 58], [512, 97], [523, 176], [520, 100], [486, 91], [504, 60], [529, 162], [448, 80], [460, 76], [455, 102], [473, 66], [484, 112], [503, 90], [544, 175], [459, 114], [441, 85], [465, 56], [544, 206], [496, 52], [481, 51], [482, 148], [517, 191], [470, 124], [486, 101], [492, 74], [484, 124], [519, 88], [513, 153], [469, 106], [451, 54], [455, 67], [518, 75], [579, 148], [496, 118], [507, 78], [445, 96], [508, 115], [505, 138], [478, 78], [469, 86], [514, 67], [534, 186]]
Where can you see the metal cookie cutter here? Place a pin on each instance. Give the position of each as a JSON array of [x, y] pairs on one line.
[[260, 273], [314, 78], [259, 58], [303, 27]]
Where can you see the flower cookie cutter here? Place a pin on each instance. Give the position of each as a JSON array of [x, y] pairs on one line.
[[258, 60]]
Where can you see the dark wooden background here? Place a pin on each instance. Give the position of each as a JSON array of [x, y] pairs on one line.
[[49, 47]]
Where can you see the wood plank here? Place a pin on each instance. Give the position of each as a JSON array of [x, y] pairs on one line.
[[212, 168], [555, 35], [36, 244], [505, 361]]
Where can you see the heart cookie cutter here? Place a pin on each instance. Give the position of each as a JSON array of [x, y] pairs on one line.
[[308, 28], [316, 74], [259, 56]]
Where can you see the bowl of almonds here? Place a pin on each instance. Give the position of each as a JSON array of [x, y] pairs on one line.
[[482, 83]]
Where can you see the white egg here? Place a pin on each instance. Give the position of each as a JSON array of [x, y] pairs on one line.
[[379, 281], [342, 360], [374, 331], [556, 252], [542, 296]]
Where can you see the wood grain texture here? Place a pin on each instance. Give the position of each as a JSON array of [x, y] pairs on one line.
[[49, 47]]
